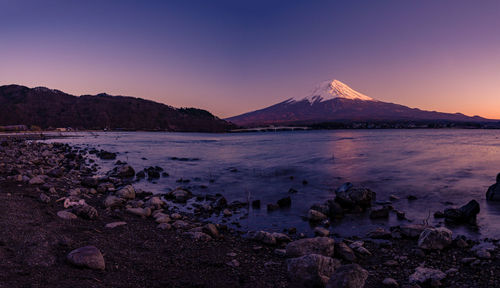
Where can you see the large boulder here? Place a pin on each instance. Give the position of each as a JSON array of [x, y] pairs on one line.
[[435, 238], [493, 193], [348, 276], [320, 245], [352, 197], [87, 257], [412, 230], [113, 201], [311, 270], [464, 214]]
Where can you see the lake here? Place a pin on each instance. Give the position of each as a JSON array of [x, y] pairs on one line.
[[437, 166]]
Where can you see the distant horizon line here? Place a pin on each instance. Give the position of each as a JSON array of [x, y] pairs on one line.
[[224, 118]]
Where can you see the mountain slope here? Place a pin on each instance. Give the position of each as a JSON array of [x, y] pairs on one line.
[[333, 101], [52, 108]]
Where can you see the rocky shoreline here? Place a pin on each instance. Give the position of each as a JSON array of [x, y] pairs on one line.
[[63, 226]]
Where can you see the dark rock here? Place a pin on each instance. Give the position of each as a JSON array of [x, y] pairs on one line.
[[411, 197], [87, 257], [311, 270], [85, 211], [90, 182], [438, 214], [464, 214], [493, 193], [140, 175], [292, 191], [220, 203], [320, 245], [285, 202], [335, 210], [353, 196], [351, 276], [106, 155], [56, 172]]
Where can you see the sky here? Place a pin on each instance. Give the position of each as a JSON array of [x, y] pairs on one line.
[[231, 57]]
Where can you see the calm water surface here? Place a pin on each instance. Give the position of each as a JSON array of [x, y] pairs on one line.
[[437, 166]]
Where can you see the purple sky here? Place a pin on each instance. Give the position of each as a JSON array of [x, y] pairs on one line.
[[231, 57]]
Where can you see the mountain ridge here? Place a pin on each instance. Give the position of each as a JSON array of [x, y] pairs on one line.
[[46, 108]]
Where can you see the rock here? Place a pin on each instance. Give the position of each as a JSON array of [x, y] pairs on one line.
[[280, 252], [315, 216], [467, 260], [426, 275], [322, 232], [227, 213], [379, 212], [412, 230], [220, 203], [176, 216], [113, 201], [85, 211], [464, 214], [142, 212], [37, 180], [435, 238], [311, 270], [348, 276], [162, 218], [233, 263], [493, 193], [319, 245], [88, 257], [180, 195], [353, 196], [345, 252], [389, 282], [285, 202], [125, 171], [211, 230], [281, 237], [44, 198], [379, 233], [66, 215], [164, 226], [90, 182], [335, 210], [262, 236], [127, 192], [199, 236], [179, 224], [483, 254], [115, 224], [357, 247], [155, 202], [393, 197], [56, 173], [106, 155]]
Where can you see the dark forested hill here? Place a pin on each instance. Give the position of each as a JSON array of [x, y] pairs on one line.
[[52, 108]]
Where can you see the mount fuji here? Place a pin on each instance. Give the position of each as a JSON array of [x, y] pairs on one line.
[[334, 101]]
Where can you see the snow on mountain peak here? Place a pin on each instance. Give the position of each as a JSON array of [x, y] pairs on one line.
[[334, 89]]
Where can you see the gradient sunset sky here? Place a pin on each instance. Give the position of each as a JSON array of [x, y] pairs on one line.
[[231, 57]]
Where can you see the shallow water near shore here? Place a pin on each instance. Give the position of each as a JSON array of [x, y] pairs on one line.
[[436, 166]]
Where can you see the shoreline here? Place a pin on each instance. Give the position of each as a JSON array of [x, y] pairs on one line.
[[173, 250]]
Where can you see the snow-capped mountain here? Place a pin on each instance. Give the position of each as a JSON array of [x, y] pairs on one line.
[[334, 101], [328, 90]]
